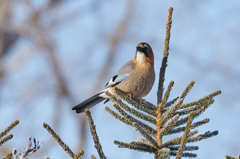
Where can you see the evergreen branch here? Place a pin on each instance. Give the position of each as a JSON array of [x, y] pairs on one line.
[[206, 98], [177, 140], [165, 57], [167, 93], [186, 154], [163, 153], [10, 127], [197, 113], [132, 111], [94, 135], [145, 135], [79, 154], [170, 111], [186, 148], [188, 88], [170, 124], [159, 124], [143, 145], [135, 146], [147, 128], [194, 125], [122, 119], [148, 104], [142, 104], [185, 135], [203, 136], [64, 146], [194, 108], [5, 139], [168, 104]]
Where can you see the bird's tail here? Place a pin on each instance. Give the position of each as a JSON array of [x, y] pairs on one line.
[[88, 103]]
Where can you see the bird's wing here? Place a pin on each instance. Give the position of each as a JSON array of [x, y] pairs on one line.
[[122, 74], [116, 79], [127, 68]]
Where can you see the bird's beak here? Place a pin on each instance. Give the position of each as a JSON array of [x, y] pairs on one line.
[[141, 49]]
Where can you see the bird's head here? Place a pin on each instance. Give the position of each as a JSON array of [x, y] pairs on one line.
[[144, 53]]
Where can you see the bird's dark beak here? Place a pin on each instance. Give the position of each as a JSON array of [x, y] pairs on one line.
[[142, 49]]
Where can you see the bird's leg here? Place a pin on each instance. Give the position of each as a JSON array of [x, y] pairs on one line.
[[140, 101], [132, 97]]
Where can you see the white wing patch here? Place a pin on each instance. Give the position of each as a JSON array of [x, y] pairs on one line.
[[116, 80]]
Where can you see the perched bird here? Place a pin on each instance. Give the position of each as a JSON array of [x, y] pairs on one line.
[[135, 78]]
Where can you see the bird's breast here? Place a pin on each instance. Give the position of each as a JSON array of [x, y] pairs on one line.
[[139, 82]]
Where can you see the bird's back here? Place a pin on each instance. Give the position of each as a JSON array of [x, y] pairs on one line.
[[127, 68]]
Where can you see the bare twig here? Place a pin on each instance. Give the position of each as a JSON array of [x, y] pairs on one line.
[[32, 146]]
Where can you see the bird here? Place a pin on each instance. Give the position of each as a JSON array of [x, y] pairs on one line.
[[135, 78]]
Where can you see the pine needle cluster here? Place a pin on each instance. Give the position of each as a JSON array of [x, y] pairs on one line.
[[168, 118], [3, 135], [68, 150]]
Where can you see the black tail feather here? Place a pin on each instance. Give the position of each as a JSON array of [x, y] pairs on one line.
[[88, 103]]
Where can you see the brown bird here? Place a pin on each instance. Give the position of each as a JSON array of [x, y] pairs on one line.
[[136, 78]]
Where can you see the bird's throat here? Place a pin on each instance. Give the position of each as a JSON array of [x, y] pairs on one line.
[[140, 58]]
